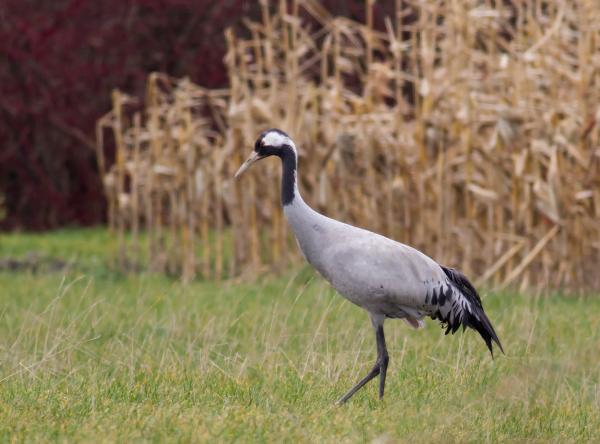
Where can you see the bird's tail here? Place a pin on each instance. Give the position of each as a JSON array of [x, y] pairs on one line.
[[480, 322], [475, 317]]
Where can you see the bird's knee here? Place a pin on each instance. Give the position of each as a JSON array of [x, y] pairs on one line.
[[384, 360]]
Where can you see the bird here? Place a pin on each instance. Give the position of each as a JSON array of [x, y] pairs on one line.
[[386, 278]]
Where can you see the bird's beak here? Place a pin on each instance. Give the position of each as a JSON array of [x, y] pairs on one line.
[[249, 161]]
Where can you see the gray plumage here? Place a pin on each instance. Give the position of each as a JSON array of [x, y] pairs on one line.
[[386, 278]]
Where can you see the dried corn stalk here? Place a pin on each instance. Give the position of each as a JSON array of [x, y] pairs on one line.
[[467, 129]]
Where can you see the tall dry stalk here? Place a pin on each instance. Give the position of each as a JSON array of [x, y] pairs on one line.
[[467, 129]]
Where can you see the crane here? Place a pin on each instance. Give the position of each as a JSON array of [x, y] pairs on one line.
[[386, 278]]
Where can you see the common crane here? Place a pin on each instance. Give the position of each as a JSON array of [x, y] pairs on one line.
[[385, 277]]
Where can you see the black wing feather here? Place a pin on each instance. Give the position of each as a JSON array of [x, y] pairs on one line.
[[476, 318]]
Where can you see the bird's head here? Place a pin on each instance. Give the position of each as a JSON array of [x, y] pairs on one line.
[[273, 142]]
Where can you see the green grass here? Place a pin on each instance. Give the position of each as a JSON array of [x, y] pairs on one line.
[[91, 356]]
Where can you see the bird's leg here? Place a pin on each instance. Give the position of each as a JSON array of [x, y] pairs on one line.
[[374, 372], [382, 357], [380, 367]]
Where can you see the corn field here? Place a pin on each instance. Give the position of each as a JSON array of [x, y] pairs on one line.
[[469, 130]]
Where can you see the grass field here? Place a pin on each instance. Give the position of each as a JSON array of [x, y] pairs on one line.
[[90, 355]]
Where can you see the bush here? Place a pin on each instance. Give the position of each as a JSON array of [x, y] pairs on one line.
[[60, 59]]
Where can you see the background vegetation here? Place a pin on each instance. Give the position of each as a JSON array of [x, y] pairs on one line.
[[468, 130], [59, 61]]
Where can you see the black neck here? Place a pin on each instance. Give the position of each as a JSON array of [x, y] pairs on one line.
[[288, 176]]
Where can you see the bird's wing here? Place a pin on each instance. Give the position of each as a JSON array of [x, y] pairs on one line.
[[465, 309], [376, 272], [393, 279]]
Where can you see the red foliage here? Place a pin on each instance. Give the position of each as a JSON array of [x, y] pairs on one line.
[[60, 59]]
